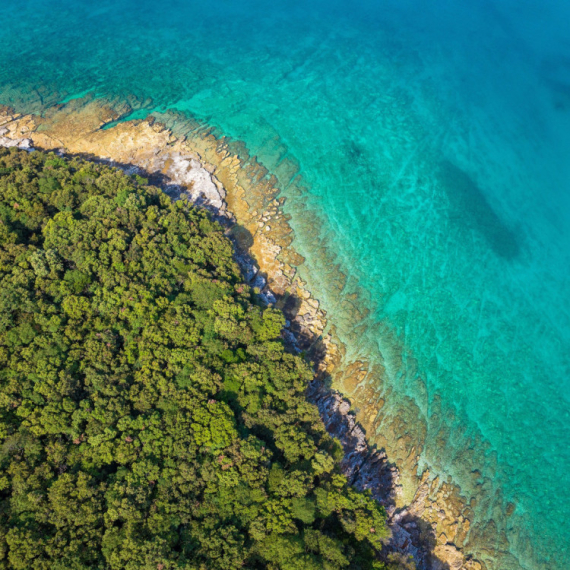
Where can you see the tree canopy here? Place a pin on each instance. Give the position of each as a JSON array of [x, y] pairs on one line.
[[150, 416]]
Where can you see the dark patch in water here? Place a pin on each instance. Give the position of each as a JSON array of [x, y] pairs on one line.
[[469, 205], [354, 150], [555, 71]]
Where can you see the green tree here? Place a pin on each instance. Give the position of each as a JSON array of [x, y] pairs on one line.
[[150, 416]]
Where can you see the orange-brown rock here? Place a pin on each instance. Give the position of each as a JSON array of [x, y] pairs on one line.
[[250, 195]]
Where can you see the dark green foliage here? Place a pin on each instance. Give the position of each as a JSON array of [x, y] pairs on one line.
[[149, 415]]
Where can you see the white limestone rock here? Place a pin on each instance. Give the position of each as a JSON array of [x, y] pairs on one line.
[[7, 142], [199, 185]]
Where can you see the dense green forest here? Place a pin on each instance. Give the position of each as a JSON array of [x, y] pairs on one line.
[[150, 417]]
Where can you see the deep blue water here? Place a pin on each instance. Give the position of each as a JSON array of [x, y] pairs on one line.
[[434, 140]]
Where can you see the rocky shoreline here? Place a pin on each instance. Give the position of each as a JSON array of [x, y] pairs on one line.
[[244, 197]]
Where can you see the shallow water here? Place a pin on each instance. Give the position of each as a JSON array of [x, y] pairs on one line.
[[434, 143]]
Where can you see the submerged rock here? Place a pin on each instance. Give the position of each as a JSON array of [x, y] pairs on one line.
[[241, 194]]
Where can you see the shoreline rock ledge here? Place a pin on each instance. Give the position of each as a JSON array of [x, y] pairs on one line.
[[244, 198]]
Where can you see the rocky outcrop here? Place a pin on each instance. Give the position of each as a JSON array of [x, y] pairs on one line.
[[220, 175], [189, 177], [7, 142]]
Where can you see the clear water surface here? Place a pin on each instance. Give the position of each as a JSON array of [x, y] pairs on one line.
[[434, 139]]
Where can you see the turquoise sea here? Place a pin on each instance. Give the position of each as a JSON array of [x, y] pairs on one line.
[[433, 138]]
